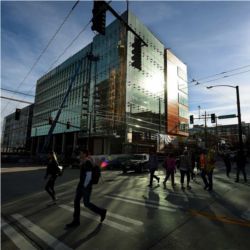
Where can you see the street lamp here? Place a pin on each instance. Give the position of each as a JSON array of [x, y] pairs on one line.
[[238, 109]]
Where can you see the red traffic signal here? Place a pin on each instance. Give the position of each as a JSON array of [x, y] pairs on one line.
[[191, 119], [50, 120], [136, 53], [17, 114], [99, 17], [68, 125], [213, 118]]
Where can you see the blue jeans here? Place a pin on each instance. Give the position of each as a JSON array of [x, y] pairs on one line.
[[84, 193]]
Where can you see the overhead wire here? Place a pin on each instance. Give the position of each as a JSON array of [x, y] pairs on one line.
[[45, 49]]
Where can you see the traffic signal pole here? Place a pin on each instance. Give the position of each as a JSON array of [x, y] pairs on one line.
[[239, 119], [48, 138]]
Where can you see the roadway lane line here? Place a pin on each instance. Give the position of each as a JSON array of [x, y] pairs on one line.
[[16, 237], [110, 223], [223, 219], [122, 218], [144, 203], [40, 233]]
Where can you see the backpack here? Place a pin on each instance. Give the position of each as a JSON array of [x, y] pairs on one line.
[[96, 174]]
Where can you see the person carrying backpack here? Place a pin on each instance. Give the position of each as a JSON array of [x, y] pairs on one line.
[[88, 176], [53, 171]]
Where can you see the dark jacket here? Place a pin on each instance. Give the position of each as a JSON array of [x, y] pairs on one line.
[[86, 166], [52, 168]]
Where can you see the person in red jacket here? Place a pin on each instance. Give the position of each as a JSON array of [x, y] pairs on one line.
[[170, 166]]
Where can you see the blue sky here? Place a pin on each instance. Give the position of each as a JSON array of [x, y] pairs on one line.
[[210, 37]]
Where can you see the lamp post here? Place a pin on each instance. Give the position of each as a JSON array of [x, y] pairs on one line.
[[238, 109]]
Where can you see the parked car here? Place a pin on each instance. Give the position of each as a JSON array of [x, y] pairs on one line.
[[118, 163], [137, 163]]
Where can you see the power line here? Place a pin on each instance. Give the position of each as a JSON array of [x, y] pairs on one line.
[[17, 92], [15, 100], [44, 50], [222, 73]]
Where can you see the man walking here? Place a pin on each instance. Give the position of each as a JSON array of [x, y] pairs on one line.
[[84, 189], [185, 168], [153, 165]]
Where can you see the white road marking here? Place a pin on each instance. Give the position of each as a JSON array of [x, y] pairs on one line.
[[123, 218], [143, 203], [147, 201], [110, 223], [16, 237], [40, 233]]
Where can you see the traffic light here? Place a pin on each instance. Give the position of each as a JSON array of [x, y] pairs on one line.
[[213, 118], [68, 125], [17, 114], [50, 120], [99, 17], [191, 118], [136, 53]]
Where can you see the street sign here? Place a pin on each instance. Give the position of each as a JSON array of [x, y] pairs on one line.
[[226, 116]]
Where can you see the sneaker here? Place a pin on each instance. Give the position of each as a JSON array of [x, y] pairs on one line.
[[103, 216], [206, 187], [51, 203], [188, 187], [73, 224]]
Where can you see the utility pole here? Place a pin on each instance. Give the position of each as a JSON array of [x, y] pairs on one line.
[[159, 115], [206, 129], [239, 119]]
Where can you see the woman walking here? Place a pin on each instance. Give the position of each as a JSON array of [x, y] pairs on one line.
[[185, 163], [52, 171], [170, 166]]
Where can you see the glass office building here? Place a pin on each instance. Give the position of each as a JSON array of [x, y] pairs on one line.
[[16, 136], [112, 107]]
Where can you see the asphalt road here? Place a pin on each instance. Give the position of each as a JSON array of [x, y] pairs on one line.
[[138, 217]]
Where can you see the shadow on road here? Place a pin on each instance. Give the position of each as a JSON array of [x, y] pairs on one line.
[[88, 237]]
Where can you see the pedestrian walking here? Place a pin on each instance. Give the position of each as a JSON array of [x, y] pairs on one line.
[[153, 165], [227, 161], [185, 167], [84, 190], [207, 164], [241, 163], [52, 171], [170, 167], [193, 164]]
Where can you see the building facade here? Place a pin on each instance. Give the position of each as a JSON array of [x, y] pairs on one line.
[[176, 95], [112, 107], [16, 134], [225, 134]]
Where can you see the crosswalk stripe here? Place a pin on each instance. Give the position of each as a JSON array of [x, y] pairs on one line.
[[146, 200], [123, 218], [15, 237], [142, 203], [110, 223], [40, 233]]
